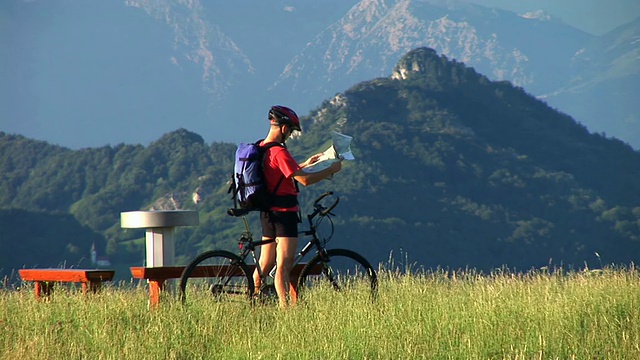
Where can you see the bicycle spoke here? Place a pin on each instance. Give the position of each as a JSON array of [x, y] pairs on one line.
[[345, 271], [218, 275]]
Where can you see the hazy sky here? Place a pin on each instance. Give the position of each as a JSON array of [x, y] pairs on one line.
[[593, 16]]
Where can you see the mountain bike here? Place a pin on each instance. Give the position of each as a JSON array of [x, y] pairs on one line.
[[226, 276]]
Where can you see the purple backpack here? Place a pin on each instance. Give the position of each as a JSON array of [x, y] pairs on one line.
[[248, 186]]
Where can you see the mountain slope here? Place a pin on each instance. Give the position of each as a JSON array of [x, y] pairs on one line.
[[607, 69], [458, 170], [593, 79], [375, 34], [38, 239]]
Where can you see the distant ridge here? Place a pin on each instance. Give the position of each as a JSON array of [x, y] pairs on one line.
[[163, 65]]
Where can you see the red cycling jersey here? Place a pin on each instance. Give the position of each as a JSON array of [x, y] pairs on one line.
[[277, 162]]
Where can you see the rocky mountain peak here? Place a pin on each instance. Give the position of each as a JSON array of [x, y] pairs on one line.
[[537, 15], [414, 62]]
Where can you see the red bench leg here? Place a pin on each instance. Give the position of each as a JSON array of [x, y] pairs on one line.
[[95, 286], [43, 288], [155, 288]]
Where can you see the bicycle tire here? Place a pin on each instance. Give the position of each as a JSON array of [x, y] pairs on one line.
[[342, 269], [217, 274]]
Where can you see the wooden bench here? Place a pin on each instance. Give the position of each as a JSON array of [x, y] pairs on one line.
[[45, 278], [156, 276]]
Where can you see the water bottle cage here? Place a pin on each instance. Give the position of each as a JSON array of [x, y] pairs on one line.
[[244, 239]]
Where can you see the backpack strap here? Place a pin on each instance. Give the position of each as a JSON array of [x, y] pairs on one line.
[[263, 152], [289, 200], [295, 182], [233, 190]]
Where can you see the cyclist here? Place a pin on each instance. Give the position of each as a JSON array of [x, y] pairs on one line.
[[281, 221]]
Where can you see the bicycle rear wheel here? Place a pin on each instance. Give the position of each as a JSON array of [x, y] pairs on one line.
[[216, 274], [341, 269]]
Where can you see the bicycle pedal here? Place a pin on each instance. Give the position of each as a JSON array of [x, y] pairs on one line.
[[266, 294], [268, 290]]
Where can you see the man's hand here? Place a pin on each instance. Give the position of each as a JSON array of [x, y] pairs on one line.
[[307, 179], [310, 161]]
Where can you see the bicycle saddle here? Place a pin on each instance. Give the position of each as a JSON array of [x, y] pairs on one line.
[[238, 212]]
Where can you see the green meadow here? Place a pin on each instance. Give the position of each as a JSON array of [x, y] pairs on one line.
[[420, 315]]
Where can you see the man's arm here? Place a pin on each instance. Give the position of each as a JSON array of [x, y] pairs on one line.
[[307, 179]]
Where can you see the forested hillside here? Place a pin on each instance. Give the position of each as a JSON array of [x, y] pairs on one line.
[[42, 239], [451, 170]]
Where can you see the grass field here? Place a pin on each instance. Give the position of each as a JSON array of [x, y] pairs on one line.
[[430, 315]]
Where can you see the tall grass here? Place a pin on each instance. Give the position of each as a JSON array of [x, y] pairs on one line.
[[432, 315]]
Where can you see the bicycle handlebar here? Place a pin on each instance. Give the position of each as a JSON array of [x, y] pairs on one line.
[[322, 197], [319, 209], [335, 203]]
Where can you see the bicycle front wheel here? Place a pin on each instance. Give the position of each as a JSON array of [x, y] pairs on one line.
[[219, 275], [340, 269]]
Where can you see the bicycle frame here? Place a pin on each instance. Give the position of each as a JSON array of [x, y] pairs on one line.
[[248, 246]]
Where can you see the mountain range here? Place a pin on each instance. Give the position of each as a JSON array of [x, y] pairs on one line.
[[153, 64], [451, 170], [582, 75]]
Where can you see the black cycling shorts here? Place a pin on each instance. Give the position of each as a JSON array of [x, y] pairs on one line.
[[279, 224]]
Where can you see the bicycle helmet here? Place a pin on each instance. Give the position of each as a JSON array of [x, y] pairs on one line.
[[285, 116]]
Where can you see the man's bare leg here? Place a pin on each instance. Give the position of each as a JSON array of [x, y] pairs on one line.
[[266, 262], [285, 254]]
